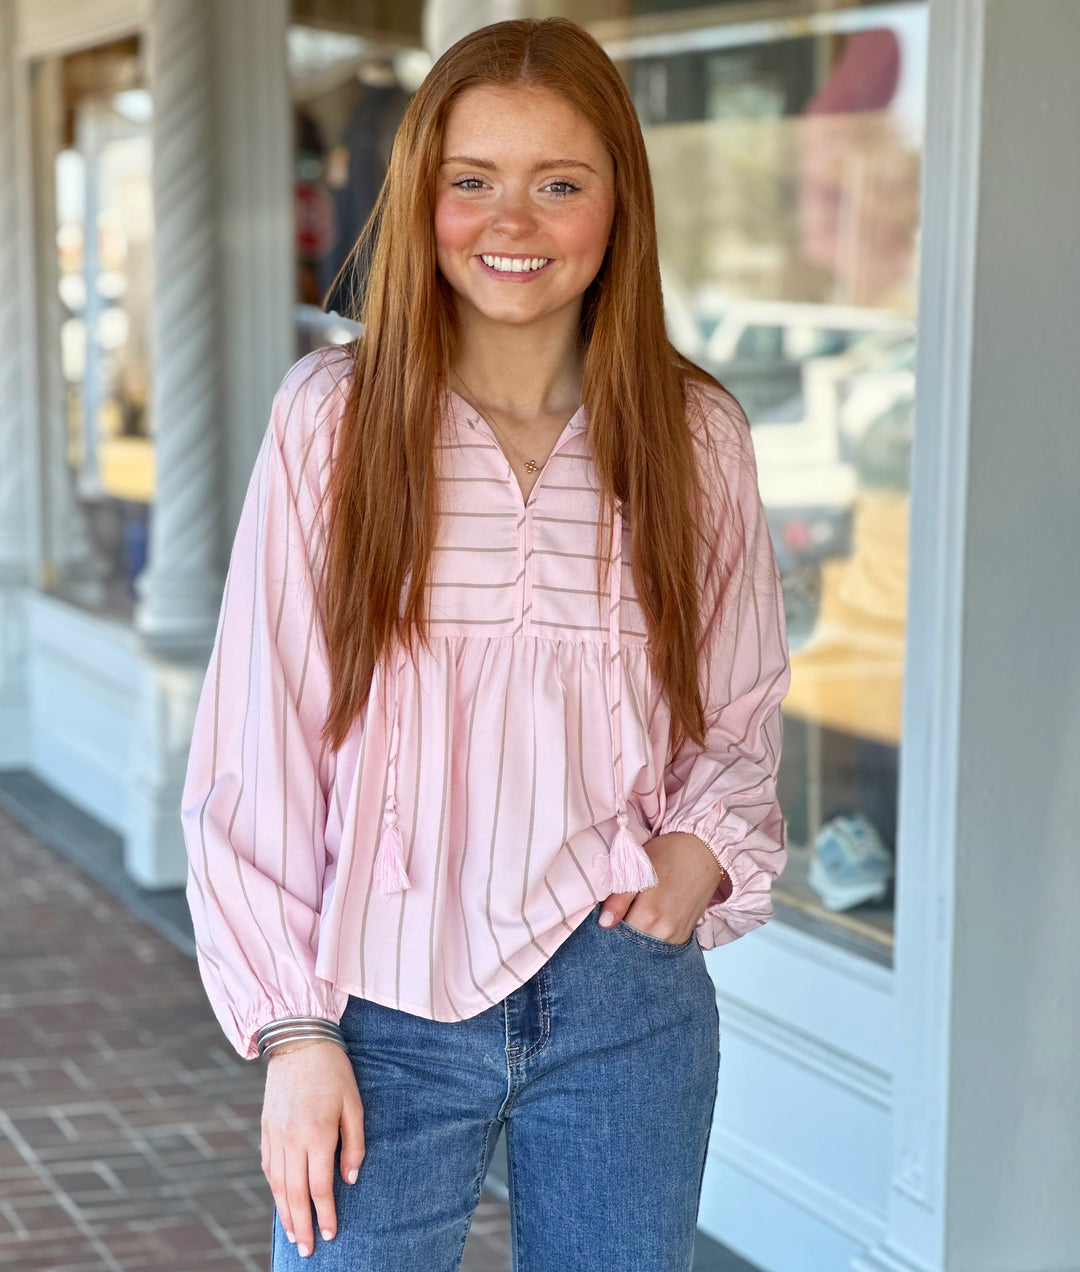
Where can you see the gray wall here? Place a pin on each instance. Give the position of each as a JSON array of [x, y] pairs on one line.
[[1014, 1106]]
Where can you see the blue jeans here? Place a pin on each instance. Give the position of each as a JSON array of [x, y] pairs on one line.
[[602, 1068]]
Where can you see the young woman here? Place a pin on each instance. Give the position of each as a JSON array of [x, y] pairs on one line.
[[487, 748]]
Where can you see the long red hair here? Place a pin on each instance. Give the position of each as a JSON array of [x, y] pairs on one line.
[[383, 487]]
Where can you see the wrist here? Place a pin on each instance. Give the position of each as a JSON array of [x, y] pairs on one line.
[[724, 884], [286, 1049]]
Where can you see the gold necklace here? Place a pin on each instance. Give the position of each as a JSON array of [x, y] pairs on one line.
[[530, 464]]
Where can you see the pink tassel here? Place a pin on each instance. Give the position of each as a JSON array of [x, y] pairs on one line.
[[390, 873], [632, 869]]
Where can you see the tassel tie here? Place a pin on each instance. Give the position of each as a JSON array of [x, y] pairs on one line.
[[390, 873], [631, 867]]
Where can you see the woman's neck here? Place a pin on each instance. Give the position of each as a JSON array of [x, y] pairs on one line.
[[518, 372]]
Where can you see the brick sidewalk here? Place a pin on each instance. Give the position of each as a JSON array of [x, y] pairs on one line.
[[129, 1129]]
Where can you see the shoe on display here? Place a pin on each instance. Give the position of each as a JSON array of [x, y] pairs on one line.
[[851, 864]]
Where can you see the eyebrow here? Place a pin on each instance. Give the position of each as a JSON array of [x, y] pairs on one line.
[[488, 165]]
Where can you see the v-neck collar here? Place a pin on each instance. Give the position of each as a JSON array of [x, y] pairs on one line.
[[469, 415], [463, 413]]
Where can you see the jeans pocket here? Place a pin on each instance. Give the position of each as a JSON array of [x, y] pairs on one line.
[[647, 938]]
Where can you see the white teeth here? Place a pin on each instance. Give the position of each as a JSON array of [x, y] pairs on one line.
[[515, 264]]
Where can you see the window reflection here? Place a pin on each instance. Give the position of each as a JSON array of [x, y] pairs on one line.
[[349, 94], [785, 158], [103, 211]]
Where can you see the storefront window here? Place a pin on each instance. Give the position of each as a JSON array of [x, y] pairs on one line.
[[92, 131], [785, 157]]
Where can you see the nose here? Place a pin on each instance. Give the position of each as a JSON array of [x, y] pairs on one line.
[[513, 214]]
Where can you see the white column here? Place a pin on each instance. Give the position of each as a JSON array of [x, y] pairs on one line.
[[180, 590], [255, 282], [258, 252], [986, 1155], [14, 471], [446, 21]]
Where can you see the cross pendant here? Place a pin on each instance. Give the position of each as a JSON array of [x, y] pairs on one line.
[[530, 465]]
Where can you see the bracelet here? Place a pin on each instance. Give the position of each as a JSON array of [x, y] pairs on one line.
[[286, 1040], [296, 1028], [289, 1042], [274, 1027]]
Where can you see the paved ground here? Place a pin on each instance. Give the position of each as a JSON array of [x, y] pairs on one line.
[[129, 1130]]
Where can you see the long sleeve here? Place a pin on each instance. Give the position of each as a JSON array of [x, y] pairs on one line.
[[255, 795], [725, 792]]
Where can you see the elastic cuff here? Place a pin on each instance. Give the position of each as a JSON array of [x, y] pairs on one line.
[[717, 845]]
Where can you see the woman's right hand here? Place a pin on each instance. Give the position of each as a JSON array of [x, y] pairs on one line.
[[311, 1096]]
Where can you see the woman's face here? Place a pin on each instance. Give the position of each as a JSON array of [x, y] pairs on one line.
[[524, 204]]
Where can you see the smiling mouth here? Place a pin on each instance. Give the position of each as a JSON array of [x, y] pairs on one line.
[[514, 264]]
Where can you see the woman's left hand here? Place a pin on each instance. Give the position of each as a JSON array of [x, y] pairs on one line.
[[689, 875]]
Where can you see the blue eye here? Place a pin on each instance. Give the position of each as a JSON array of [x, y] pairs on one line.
[[469, 183], [568, 187]]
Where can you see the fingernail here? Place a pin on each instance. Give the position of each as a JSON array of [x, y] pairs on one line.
[[304, 1251], [607, 919], [352, 1175], [327, 1235], [292, 1237]]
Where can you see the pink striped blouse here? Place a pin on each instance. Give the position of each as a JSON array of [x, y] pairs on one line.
[[489, 795]]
